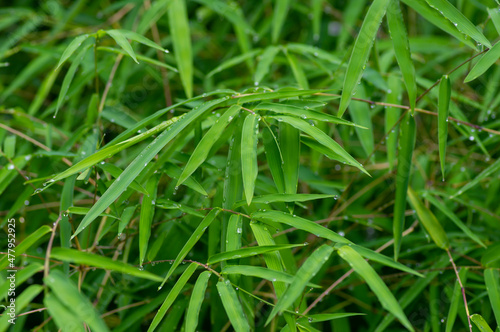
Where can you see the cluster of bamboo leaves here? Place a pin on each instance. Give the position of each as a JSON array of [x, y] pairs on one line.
[[281, 165]]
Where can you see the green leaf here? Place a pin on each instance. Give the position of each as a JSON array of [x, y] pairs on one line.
[[26, 244], [314, 51], [458, 19], [264, 65], [83, 211], [233, 307], [299, 223], [138, 164], [193, 239], [322, 138], [273, 198], [248, 252], [138, 38], [181, 40], [146, 217], [201, 151], [139, 57], [361, 116], [197, 297], [492, 282], [481, 324], [280, 12], [407, 135], [69, 295], [21, 301], [172, 295], [85, 258], [401, 45], [289, 141], [326, 317], [297, 71], [233, 62], [487, 60], [71, 48], [429, 221], [175, 172], [249, 166], [261, 272], [306, 272], [481, 176], [64, 318], [365, 271], [302, 112], [443, 110], [274, 158], [122, 42], [495, 18], [116, 172], [361, 51], [453, 217]]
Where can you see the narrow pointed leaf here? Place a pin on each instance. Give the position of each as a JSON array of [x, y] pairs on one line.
[[68, 294], [261, 272], [429, 221], [361, 51], [481, 323], [139, 38], [172, 295], [495, 18], [64, 318], [201, 151], [401, 45], [71, 48], [85, 258], [492, 281], [326, 317], [264, 65], [181, 40], [146, 217], [233, 62], [197, 297], [406, 146], [323, 139], [137, 165], [233, 307], [487, 60], [249, 154], [122, 42], [273, 198], [26, 244], [193, 239], [115, 172], [481, 176], [297, 71], [248, 252], [280, 11], [175, 172], [306, 272], [274, 158], [443, 110], [459, 20], [78, 210], [139, 57], [289, 141], [361, 116], [375, 283]]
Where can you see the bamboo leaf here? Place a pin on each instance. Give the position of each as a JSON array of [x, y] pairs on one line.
[[322, 138], [197, 297], [481, 324], [139, 38], [64, 318], [172, 295], [428, 220], [249, 166], [365, 271], [181, 40], [85, 258], [443, 110], [248, 252], [297, 71], [273, 198], [481, 176], [279, 15], [137, 165], [361, 116], [26, 244], [261, 272], [201, 151], [116, 172], [326, 317], [83, 211], [487, 60], [452, 216], [361, 51], [492, 282], [120, 39], [146, 217], [21, 301], [459, 20], [233, 62], [233, 307], [193, 239], [71, 48], [175, 172], [306, 272], [69, 295], [139, 57], [495, 18], [264, 65], [407, 133], [401, 45], [274, 158], [289, 141]]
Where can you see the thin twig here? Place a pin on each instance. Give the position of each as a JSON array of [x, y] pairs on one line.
[[49, 247], [461, 287]]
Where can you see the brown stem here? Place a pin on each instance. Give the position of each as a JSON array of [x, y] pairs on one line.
[[461, 287]]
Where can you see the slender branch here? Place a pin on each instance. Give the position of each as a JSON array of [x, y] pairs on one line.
[[461, 287], [49, 247]]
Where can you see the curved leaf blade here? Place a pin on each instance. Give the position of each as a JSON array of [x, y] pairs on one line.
[[197, 297], [233, 307], [71, 48], [443, 111], [248, 252], [122, 42], [486, 61], [249, 166]]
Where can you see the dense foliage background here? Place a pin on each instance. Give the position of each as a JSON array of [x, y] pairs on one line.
[[240, 179]]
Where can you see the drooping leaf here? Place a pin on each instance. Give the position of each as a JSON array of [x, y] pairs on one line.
[[443, 110], [249, 166], [233, 307], [247, 252], [197, 297], [487, 60]]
